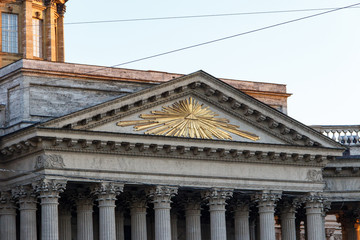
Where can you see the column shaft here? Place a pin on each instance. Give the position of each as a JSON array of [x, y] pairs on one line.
[[266, 205], [119, 225], [314, 220], [217, 201], [161, 196], [217, 222], [50, 46], [242, 228], [85, 219], [174, 228], [7, 222], [60, 41], [49, 194], [162, 222], [65, 225], [288, 227], [193, 224], [107, 221], [107, 193], [28, 218], [138, 223], [28, 225], [267, 225], [27, 30], [253, 230], [49, 218]]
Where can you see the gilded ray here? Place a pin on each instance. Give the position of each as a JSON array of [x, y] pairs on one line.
[[187, 118]]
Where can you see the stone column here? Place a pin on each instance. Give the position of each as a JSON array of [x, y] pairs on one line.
[[138, 218], [65, 230], [241, 219], [27, 30], [27, 205], [161, 198], [253, 229], [193, 223], [7, 217], [84, 209], [314, 216], [49, 36], [49, 191], [266, 205], [106, 195], [174, 227], [288, 225], [119, 224], [217, 201], [61, 9]]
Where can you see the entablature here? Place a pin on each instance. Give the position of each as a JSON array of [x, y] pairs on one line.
[[68, 140]]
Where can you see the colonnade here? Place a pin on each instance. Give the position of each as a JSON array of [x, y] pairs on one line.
[[55, 224]]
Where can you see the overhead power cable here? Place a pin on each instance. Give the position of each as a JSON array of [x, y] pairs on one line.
[[195, 16], [201, 16], [235, 35], [210, 42]]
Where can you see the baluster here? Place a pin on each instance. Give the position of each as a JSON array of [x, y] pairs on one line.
[[346, 137], [326, 132], [333, 135], [357, 136]]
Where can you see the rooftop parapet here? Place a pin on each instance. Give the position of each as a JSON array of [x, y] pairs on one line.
[[345, 134]]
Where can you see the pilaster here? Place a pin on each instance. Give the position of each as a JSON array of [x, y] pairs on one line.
[[106, 196], [161, 198], [216, 198]]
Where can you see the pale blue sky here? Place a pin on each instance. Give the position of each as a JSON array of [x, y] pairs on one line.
[[318, 58]]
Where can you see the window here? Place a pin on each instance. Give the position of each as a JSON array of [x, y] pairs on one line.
[[9, 33], [37, 37]]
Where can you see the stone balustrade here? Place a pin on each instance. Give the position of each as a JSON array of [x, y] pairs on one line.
[[344, 134]]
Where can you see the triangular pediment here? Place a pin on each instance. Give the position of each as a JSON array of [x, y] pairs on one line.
[[194, 106]]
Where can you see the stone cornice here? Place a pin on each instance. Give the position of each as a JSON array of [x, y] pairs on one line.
[[67, 140], [341, 172]]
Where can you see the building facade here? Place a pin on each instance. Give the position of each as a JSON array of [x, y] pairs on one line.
[[88, 152]]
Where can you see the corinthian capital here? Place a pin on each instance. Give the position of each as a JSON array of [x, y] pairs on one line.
[[50, 187], [61, 9], [7, 203], [162, 194], [314, 198], [267, 197], [217, 196], [106, 188]]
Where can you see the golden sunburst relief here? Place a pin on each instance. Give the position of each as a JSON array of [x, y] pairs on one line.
[[187, 118]]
